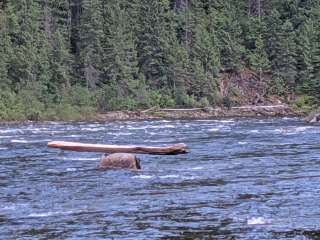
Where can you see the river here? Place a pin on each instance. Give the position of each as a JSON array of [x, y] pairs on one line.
[[243, 179]]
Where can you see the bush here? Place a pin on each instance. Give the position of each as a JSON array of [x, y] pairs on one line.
[[161, 99], [77, 96], [279, 87], [305, 103], [204, 102]]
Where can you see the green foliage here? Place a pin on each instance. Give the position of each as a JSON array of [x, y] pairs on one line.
[[305, 103], [162, 100], [68, 59]]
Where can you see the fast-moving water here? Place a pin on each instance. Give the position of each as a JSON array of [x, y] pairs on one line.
[[243, 179]]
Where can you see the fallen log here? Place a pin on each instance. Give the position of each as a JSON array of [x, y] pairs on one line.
[[179, 109], [180, 148]]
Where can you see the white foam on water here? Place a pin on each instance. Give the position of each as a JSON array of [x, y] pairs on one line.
[[242, 143], [162, 126], [10, 131], [169, 176], [258, 221], [277, 130], [206, 120], [42, 130], [136, 128], [52, 171], [29, 141], [93, 129], [8, 208], [226, 121], [189, 178], [49, 214], [2, 148], [214, 129], [292, 131], [152, 133], [196, 168], [6, 136], [18, 141], [143, 176], [93, 125], [254, 131], [71, 169], [120, 134], [303, 129], [152, 127], [74, 136]]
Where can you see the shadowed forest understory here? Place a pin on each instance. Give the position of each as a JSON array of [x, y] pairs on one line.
[[69, 59]]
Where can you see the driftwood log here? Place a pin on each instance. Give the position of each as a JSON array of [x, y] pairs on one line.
[[180, 148], [120, 161]]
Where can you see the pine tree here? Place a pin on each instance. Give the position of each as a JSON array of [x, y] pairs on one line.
[[313, 85], [60, 64], [227, 26], [287, 55], [24, 35], [256, 50], [304, 54], [156, 38], [4, 51], [120, 57], [91, 33], [282, 50]]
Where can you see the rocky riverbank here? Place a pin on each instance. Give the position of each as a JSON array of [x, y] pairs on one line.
[[201, 113]]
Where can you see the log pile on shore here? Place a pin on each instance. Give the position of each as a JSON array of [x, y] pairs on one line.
[[200, 113]]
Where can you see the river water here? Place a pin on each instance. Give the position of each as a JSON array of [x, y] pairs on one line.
[[243, 179]]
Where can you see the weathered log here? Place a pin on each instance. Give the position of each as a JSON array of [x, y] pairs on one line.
[[179, 109], [180, 148], [120, 161]]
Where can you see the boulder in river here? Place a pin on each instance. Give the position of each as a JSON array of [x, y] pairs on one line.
[[120, 161]]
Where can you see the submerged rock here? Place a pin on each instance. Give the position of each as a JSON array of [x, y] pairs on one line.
[[120, 161]]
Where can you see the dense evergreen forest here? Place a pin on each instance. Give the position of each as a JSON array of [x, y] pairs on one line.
[[66, 58]]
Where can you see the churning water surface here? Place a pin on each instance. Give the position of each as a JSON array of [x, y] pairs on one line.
[[243, 179]]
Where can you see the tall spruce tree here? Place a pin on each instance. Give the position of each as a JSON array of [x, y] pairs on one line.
[[4, 51], [91, 32], [155, 40], [120, 61]]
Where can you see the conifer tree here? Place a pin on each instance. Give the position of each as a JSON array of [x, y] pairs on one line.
[[60, 64], [156, 36], [120, 56], [24, 35], [304, 54], [256, 50], [91, 32], [4, 51], [229, 31]]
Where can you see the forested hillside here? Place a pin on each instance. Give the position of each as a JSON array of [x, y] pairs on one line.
[[66, 57]]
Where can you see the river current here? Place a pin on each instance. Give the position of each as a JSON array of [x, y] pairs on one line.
[[243, 179]]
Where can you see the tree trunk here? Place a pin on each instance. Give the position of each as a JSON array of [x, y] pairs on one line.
[[83, 147]]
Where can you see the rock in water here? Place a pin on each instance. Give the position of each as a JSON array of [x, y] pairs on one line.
[[120, 161]]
